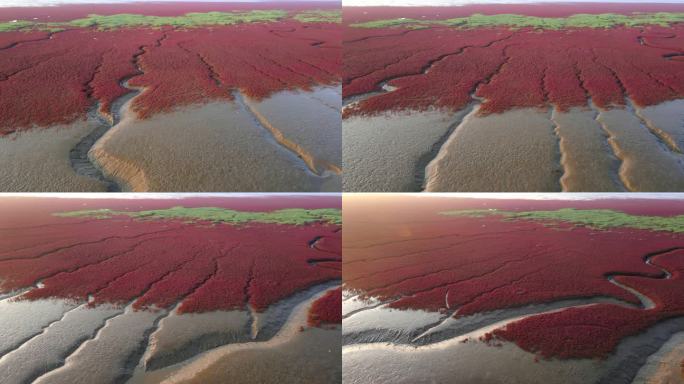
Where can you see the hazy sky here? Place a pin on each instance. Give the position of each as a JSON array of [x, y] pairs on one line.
[[463, 2], [42, 3]]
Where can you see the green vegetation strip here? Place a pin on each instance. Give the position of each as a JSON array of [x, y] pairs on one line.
[[593, 218], [189, 20], [293, 216], [319, 16], [604, 20]]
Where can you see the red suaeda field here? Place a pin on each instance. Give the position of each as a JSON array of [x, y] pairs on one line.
[[447, 67], [158, 263], [56, 77], [406, 253]]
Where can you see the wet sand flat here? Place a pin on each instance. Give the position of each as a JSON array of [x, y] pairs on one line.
[[669, 118], [457, 361], [110, 355], [587, 159], [210, 147], [583, 149], [48, 350], [382, 153], [182, 336], [312, 357], [665, 366], [310, 121], [21, 320], [38, 160], [647, 163], [514, 151], [295, 353]]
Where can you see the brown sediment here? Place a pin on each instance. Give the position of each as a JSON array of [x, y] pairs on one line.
[[106, 357], [123, 170], [647, 164], [206, 147], [311, 357], [37, 160], [381, 153], [315, 164], [586, 155], [663, 136], [296, 353], [512, 151], [462, 357], [666, 365], [308, 123], [668, 118], [181, 336], [48, 350]]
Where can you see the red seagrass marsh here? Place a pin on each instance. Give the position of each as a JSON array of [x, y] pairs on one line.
[[517, 97], [555, 289], [158, 96], [172, 287]]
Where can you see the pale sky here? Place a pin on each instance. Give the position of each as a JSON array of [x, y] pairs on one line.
[[153, 195], [43, 3], [353, 3]]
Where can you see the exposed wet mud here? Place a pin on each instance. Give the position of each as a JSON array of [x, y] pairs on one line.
[[79, 155], [381, 153], [378, 333], [521, 155], [281, 323], [181, 337], [579, 150], [664, 366]]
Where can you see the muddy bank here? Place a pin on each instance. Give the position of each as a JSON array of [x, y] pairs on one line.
[[208, 147], [49, 349], [668, 118], [111, 354], [38, 160], [459, 360], [21, 320], [180, 337], [309, 123], [513, 151], [586, 156], [416, 327], [293, 353], [583, 149], [381, 153], [648, 164], [665, 366], [312, 357], [464, 358]]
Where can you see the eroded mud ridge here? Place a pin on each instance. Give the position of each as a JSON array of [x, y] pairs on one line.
[[138, 289], [603, 85], [585, 291], [110, 68]]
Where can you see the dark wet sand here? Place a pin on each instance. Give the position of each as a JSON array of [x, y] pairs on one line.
[[521, 150], [309, 120], [313, 357], [380, 153], [515, 151], [209, 147], [37, 160]]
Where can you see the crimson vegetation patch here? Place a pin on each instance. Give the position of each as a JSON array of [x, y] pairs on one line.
[[419, 58], [54, 70], [202, 254], [619, 265]]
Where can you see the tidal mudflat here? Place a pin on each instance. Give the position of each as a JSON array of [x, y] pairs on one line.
[[129, 98], [515, 97], [564, 289], [170, 289]]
